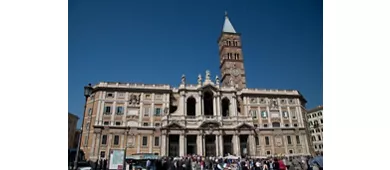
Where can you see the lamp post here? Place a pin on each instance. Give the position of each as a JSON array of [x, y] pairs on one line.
[[127, 146], [87, 92]]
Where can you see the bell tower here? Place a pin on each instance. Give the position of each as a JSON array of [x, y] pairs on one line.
[[231, 58]]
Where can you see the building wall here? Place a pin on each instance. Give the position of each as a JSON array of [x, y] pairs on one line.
[[72, 125], [315, 127], [140, 118]]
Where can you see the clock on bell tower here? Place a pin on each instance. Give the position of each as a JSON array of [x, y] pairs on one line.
[[231, 58]]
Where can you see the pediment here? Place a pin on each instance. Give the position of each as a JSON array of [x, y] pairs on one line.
[[245, 126], [209, 86], [210, 124], [174, 125]]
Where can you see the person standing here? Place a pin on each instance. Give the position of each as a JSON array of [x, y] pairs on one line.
[[148, 164]]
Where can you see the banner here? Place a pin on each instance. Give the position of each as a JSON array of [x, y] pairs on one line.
[[116, 158]]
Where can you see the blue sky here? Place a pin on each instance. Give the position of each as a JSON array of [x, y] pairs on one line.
[[157, 41]]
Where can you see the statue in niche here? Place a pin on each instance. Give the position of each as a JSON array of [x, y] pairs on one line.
[[166, 110], [274, 104], [134, 99], [183, 79], [199, 79], [207, 75]]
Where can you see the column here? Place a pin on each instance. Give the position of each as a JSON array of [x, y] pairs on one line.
[[124, 122], [221, 145], [252, 145], [215, 114], [271, 138], [237, 149], [113, 110], [289, 116], [199, 105], [219, 110], [199, 143], [101, 113], [167, 146], [91, 153], [203, 145], [151, 143], [139, 143], [181, 145], [183, 102], [285, 144], [163, 145], [217, 145], [98, 112], [233, 107]]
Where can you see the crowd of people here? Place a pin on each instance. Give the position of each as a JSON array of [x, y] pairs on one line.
[[195, 162]]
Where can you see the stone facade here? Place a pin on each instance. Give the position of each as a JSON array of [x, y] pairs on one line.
[[72, 125], [315, 128], [212, 117]]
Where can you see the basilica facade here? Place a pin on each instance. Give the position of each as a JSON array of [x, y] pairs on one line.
[[215, 117]]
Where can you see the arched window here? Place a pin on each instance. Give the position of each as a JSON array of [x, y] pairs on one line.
[[191, 106], [229, 43], [224, 43], [225, 107], [275, 124]]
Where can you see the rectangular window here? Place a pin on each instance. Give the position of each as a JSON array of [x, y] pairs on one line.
[[297, 139], [290, 151], [109, 95], [145, 124], [106, 123], [157, 112], [285, 114], [253, 113], [264, 114], [293, 114], [289, 140], [146, 111], [104, 139], [268, 152], [90, 111], [107, 110], [87, 126], [157, 124], [117, 123], [102, 154], [119, 110], [116, 140], [266, 140], [156, 141], [144, 141], [257, 140]]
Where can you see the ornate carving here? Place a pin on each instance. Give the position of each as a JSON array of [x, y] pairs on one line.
[[274, 104], [166, 110], [134, 99], [278, 141]]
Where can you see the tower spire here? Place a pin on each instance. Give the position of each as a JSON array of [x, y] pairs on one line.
[[227, 25]]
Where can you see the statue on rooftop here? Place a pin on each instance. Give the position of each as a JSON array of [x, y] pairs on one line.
[[183, 79], [207, 75], [199, 79]]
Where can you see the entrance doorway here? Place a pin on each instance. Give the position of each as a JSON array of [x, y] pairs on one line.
[[191, 144], [227, 145], [210, 145], [173, 145]]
